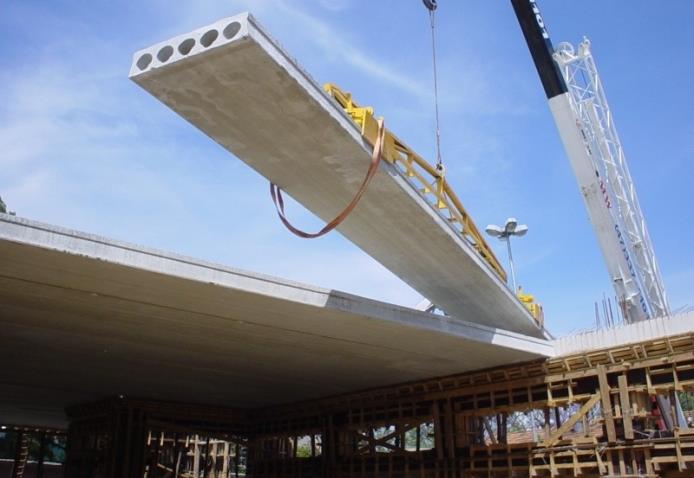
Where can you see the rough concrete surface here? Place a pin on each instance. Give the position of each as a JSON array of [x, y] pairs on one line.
[[243, 91], [624, 334], [84, 317]]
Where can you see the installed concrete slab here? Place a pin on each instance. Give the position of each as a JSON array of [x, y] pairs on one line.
[[83, 317], [624, 334], [235, 84]]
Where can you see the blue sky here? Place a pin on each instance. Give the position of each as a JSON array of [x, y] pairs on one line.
[[81, 146]]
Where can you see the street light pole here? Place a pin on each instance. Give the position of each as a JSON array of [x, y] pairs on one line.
[[510, 261], [511, 228]]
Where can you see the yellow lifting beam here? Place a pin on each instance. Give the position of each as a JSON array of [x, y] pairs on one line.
[[429, 180]]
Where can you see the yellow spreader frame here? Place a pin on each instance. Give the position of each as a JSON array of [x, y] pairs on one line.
[[429, 180]]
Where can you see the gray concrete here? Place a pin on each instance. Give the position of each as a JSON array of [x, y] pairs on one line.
[[248, 95], [83, 317], [625, 334]]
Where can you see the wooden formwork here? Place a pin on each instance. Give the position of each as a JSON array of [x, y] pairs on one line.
[[37, 451], [598, 419], [119, 438], [586, 415]]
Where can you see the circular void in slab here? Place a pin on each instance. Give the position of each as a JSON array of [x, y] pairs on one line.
[[231, 30], [209, 37], [165, 53], [144, 61], [185, 46]]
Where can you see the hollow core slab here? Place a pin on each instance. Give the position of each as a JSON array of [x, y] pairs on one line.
[[234, 83]]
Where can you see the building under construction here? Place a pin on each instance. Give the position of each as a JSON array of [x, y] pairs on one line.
[[125, 361]]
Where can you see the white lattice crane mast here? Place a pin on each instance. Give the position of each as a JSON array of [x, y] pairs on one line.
[[605, 152], [586, 126]]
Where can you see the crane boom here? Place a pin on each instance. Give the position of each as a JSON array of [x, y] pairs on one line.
[[586, 127], [590, 104]]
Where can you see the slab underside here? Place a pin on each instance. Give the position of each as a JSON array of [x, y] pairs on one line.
[[83, 318], [246, 94]]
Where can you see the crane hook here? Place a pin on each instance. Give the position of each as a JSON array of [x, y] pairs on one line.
[[430, 4]]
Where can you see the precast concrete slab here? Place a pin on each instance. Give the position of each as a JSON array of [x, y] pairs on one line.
[[624, 334], [85, 317], [234, 83]]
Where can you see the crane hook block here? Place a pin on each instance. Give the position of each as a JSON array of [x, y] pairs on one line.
[[430, 4]]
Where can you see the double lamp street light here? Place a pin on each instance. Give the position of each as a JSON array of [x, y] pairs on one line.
[[511, 228]]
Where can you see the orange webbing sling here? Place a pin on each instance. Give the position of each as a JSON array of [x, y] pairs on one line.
[[276, 193]]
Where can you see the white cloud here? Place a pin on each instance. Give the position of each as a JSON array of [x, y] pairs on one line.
[[336, 46]]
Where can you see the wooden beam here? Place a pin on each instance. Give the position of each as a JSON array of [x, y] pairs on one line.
[[601, 464], [567, 425], [225, 465], [606, 404], [196, 458], [681, 465], [626, 407]]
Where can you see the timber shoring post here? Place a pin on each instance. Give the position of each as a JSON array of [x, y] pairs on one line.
[[153, 458], [225, 465], [177, 455], [606, 402], [196, 457], [20, 458], [626, 407]]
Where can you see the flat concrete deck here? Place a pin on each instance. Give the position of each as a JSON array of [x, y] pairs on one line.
[[625, 334], [84, 317], [236, 85]]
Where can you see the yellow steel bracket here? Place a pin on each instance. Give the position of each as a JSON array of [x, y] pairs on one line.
[[363, 116], [533, 307], [429, 180]]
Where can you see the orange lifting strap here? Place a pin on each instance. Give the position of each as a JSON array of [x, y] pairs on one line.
[[276, 194]]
